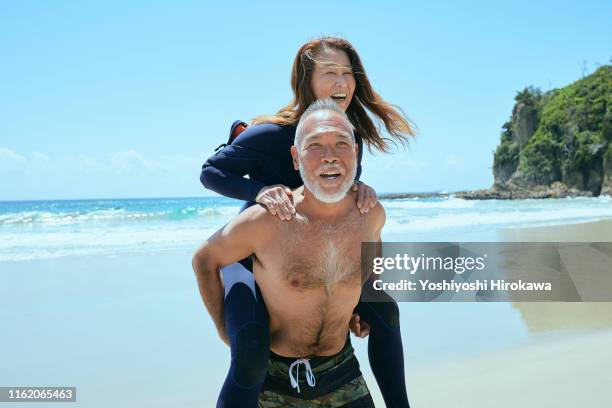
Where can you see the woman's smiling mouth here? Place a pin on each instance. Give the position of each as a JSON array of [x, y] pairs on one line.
[[339, 97]]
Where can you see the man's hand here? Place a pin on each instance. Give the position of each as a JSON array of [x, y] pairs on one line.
[[366, 196], [276, 199], [359, 328]]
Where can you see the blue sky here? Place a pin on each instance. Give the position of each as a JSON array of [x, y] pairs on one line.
[[127, 99]]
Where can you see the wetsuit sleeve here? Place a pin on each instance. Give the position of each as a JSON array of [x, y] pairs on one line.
[[359, 141], [224, 172]]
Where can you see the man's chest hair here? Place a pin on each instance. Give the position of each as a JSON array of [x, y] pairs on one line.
[[316, 253]]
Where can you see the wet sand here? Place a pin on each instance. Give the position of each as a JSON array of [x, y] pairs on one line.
[[559, 371]]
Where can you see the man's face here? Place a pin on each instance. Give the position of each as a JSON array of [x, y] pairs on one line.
[[326, 156]]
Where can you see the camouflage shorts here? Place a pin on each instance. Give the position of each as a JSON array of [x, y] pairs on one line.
[[354, 391], [339, 383]]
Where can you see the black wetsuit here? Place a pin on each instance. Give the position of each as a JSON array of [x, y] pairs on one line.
[[263, 153]]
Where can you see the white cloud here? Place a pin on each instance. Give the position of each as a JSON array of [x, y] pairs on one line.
[[175, 162], [122, 173], [11, 164], [124, 162], [84, 163], [8, 154], [130, 162], [40, 156]]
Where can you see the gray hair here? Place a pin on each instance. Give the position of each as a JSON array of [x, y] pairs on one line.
[[326, 104]]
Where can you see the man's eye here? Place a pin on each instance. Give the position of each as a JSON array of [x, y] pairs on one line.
[[314, 145], [348, 73]]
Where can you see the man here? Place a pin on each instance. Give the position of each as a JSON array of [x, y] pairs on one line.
[[307, 268]]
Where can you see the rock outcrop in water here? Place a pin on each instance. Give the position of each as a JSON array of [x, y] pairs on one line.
[[556, 144]]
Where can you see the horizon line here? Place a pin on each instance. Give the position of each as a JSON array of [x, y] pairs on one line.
[[194, 197]]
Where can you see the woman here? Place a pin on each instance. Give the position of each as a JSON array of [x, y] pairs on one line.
[[328, 67]]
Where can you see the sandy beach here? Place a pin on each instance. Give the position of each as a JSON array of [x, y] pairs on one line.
[[565, 362], [131, 331], [558, 371]]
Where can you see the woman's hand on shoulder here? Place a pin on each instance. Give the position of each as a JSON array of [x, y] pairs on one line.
[[366, 196], [276, 199]]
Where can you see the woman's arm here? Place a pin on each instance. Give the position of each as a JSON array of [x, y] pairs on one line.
[[224, 172]]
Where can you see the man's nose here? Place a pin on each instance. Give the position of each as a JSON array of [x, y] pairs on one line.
[[329, 155]]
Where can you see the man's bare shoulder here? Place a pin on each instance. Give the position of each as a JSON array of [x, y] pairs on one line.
[[258, 221], [374, 218], [377, 216], [255, 213]]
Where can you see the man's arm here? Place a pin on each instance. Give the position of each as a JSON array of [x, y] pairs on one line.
[[235, 241]]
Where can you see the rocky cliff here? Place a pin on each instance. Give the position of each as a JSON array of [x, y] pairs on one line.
[[556, 143]]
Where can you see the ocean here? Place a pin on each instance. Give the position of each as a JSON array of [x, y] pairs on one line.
[[38, 230]]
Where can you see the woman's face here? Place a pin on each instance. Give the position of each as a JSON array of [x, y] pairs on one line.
[[333, 77]]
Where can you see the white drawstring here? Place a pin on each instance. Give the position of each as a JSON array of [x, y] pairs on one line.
[[310, 378]]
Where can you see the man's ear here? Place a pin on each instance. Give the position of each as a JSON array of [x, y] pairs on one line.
[[294, 156], [356, 150]]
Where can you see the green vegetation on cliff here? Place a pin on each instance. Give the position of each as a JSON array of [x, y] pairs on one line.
[[560, 136]]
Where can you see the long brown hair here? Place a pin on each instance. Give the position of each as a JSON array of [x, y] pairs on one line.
[[364, 97]]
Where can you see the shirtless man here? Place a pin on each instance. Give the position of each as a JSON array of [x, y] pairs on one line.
[[308, 269]]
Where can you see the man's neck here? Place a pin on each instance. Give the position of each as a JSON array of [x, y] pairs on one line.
[[314, 207]]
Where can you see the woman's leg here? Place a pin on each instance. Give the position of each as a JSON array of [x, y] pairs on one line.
[[246, 320], [385, 350]]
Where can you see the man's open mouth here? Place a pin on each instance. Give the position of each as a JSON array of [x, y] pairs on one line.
[[330, 176], [338, 97]]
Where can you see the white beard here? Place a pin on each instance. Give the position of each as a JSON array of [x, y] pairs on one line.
[[312, 184]]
